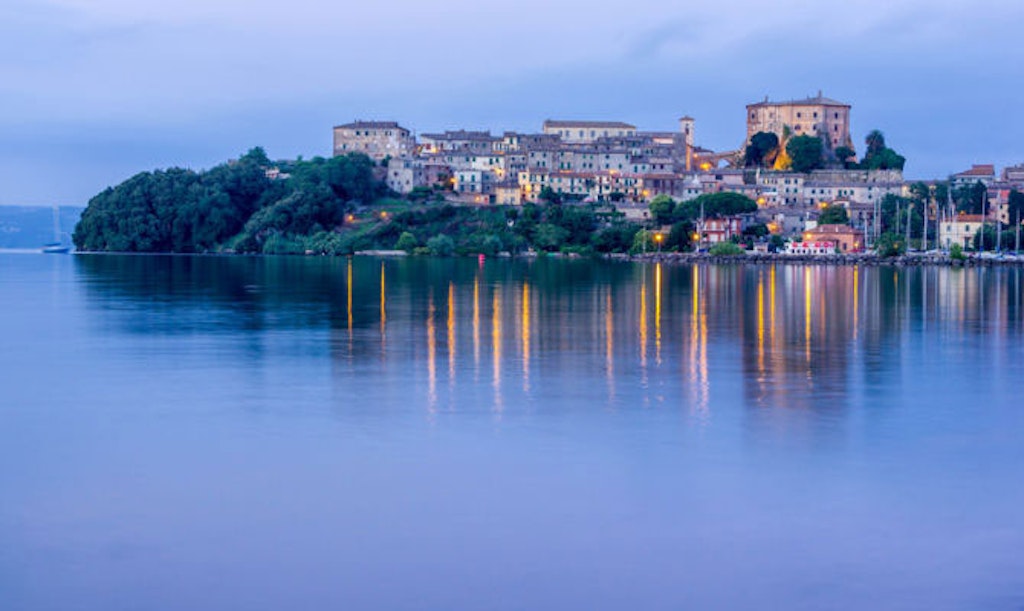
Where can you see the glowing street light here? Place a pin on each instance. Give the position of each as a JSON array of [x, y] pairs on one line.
[[658, 237]]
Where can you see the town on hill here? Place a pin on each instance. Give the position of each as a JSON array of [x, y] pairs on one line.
[[797, 184], [798, 162]]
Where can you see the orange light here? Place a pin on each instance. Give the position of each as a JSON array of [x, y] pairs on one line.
[[384, 214], [658, 237]]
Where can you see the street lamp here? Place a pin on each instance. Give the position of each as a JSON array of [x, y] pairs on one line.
[[658, 237]]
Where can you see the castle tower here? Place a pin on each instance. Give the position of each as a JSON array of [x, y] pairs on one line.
[[686, 127]]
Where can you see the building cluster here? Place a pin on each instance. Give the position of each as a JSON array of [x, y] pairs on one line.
[[617, 163]]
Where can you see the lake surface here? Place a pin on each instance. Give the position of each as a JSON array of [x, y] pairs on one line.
[[303, 433]]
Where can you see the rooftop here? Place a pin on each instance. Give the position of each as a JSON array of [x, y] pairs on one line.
[[980, 170], [818, 100], [370, 125], [596, 124]]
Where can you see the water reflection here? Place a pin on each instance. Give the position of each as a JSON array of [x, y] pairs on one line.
[[786, 337]]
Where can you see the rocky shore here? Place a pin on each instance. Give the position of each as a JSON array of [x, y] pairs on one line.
[[866, 259]]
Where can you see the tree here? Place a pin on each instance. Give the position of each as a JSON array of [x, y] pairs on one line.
[[661, 209], [806, 153], [847, 156], [875, 142], [970, 199], [550, 196], [550, 237], [407, 242], [762, 149], [878, 156], [715, 205], [834, 215], [726, 249], [1015, 206], [441, 246], [985, 238], [890, 245]]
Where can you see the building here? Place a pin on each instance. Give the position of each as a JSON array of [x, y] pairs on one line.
[[577, 132], [714, 231], [983, 173], [960, 230], [378, 139], [811, 248], [818, 116], [845, 238], [1014, 174]]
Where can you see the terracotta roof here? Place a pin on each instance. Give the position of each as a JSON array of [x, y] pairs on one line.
[[980, 170], [967, 218]]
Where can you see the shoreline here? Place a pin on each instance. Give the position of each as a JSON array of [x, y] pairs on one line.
[[931, 259]]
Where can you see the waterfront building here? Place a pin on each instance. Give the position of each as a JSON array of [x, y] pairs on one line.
[[960, 230], [377, 139], [811, 248], [845, 238], [819, 116]]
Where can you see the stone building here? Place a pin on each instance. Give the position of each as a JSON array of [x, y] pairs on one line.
[[377, 139], [818, 116], [575, 132]]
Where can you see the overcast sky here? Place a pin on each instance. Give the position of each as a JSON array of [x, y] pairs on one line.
[[93, 91]]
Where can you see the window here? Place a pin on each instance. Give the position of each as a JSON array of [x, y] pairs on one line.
[[799, 115]]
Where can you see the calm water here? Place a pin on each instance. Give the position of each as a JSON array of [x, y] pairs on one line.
[[260, 433]]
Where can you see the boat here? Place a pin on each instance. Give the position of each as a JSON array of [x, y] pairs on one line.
[[57, 247]]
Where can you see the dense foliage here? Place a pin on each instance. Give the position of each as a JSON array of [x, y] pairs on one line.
[[237, 203], [762, 150], [805, 152], [879, 156]]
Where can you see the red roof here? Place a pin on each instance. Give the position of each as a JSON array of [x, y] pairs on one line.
[[980, 170]]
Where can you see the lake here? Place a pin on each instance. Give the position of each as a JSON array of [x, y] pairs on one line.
[[214, 433]]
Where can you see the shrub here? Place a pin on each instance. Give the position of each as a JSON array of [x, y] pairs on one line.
[[726, 249], [407, 242], [956, 252]]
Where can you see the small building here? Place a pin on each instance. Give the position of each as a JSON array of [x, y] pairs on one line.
[[960, 230], [845, 238], [508, 193], [983, 173], [724, 229], [811, 248]]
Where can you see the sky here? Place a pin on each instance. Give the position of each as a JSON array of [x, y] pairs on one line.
[[95, 91]]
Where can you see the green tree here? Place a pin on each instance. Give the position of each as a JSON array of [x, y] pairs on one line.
[[878, 156], [1015, 206], [806, 153], [549, 237], [715, 205], [661, 209], [847, 156], [550, 196], [441, 246], [761, 150], [407, 242], [890, 245], [970, 199], [833, 215]]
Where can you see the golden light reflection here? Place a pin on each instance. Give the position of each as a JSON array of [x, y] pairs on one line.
[[431, 356], [856, 300], [451, 333], [760, 326], [657, 313], [349, 298], [807, 314], [496, 349], [525, 332], [643, 327]]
